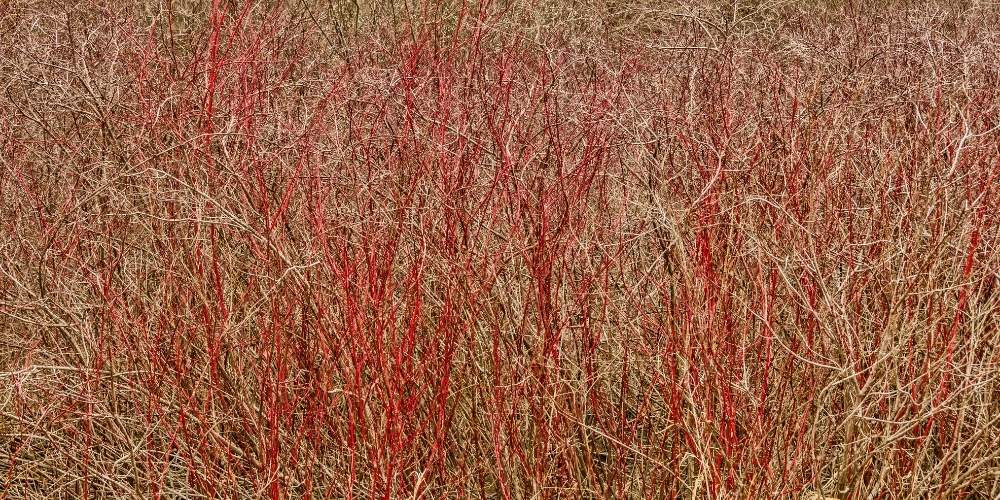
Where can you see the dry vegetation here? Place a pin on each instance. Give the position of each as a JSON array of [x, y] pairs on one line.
[[444, 248]]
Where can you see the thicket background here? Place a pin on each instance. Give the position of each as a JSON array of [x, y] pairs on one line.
[[573, 249]]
